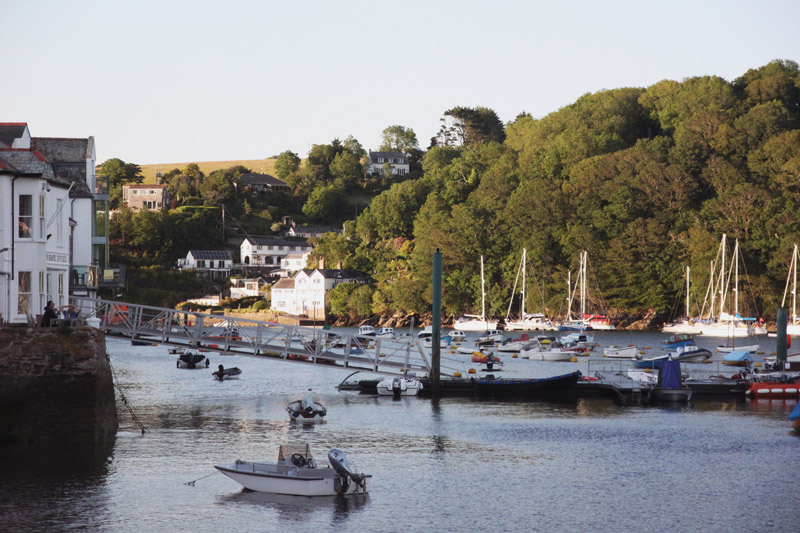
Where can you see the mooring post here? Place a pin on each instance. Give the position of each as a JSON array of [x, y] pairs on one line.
[[781, 348], [437, 322]]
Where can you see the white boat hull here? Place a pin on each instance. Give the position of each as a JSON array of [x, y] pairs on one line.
[[548, 356], [408, 387], [263, 477], [722, 329], [478, 325], [729, 349], [628, 352], [682, 327]]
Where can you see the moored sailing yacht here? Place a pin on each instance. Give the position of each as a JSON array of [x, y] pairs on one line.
[[793, 326], [476, 322], [687, 325], [526, 321]]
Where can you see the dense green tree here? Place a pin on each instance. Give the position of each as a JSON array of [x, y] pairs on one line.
[[287, 164], [398, 139], [468, 125]]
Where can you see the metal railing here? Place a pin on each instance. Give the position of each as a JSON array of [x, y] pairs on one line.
[[230, 335]]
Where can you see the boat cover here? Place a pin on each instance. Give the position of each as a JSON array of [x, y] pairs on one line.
[[670, 374], [738, 356], [795, 413]]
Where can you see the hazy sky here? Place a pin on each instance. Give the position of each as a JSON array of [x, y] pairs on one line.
[[165, 81]]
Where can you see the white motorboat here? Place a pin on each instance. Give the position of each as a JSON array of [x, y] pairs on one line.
[[296, 473], [625, 352], [366, 331], [746, 348], [555, 351], [444, 342], [513, 345], [386, 333], [458, 336], [407, 385], [491, 335], [189, 359], [306, 409]]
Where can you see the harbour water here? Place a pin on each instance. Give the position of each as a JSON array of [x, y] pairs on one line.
[[451, 465]]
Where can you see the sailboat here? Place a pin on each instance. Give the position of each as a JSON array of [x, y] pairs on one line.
[[584, 321], [687, 325], [526, 321], [793, 326], [476, 322], [726, 324]]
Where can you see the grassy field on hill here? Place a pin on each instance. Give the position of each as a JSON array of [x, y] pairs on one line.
[[261, 166]]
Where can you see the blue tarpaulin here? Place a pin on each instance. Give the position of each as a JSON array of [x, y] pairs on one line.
[[670, 374], [795, 413]]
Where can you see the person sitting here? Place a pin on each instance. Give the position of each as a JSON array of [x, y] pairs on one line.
[[49, 314]]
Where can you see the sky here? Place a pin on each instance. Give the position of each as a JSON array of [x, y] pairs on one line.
[[181, 81]]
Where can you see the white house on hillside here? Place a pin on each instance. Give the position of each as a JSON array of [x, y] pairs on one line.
[[242, 287], [306, 293], [397, 160], [269, 251], [212, 264]]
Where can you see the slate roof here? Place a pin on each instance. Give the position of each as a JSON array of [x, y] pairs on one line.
[[275, 241], [336, 273], [252, 178], [284, 283], [211, 254], [314, 230], [28, 162], [69, 158], [373, 156], [10, 131]]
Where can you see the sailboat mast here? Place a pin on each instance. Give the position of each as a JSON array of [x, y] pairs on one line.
[[794, 285], [583, 285], [522, 305], [687, 292], [483, 294], [736, 280], [722, 281]]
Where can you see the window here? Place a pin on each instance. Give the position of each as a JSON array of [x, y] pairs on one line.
[[25, 220], [42, 295], [60, 289], [24, 293], [380, 160], [42, 224], [60, 222], [136, 192]]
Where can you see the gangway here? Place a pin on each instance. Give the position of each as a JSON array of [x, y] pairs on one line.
[[229, 335]]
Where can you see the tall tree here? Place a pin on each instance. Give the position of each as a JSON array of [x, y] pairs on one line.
[[468, 125], [287, 164], [398, 139]]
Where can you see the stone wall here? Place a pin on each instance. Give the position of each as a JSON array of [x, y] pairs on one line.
[[55, 386]]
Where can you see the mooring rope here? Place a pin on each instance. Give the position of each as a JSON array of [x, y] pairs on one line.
[[124, 399], [191, 483]]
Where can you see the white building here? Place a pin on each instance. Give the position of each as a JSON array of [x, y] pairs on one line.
[[306, 293], [212, 264], [397, 160], [243, 287], [269, 251], [34, 229], [294, 262]]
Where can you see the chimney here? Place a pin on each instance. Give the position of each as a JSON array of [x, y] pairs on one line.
[[338, 265], [321, 263]]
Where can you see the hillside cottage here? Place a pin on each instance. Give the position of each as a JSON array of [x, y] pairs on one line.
[[398, 162], [306, 293], [211, 264]]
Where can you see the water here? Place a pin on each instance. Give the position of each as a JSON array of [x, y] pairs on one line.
[[455, 465]]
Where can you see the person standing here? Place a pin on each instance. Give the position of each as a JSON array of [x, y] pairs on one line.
[[49, 314]]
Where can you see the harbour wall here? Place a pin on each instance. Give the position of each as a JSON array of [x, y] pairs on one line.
[[56, 386]]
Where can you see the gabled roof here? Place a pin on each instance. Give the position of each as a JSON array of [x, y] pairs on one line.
[[62, 150], [10, 131], [275, 241], [374, 155], [253, 178], [211, 254], [28, 162], [335, 273], [313, 229], [284, 283], [145, 186]]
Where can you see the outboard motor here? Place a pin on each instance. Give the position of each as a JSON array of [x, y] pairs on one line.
[[397, 387], [339, 463]]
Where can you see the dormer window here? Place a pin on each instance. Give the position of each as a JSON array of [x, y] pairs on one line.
[[380, 160]]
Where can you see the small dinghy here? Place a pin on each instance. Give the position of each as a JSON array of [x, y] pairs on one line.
[[226, 373], [306, 409], [407, 385], [297, 473], [737, 358], [188, 359]]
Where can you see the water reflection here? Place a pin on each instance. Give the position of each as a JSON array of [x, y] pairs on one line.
[[336, 510]]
